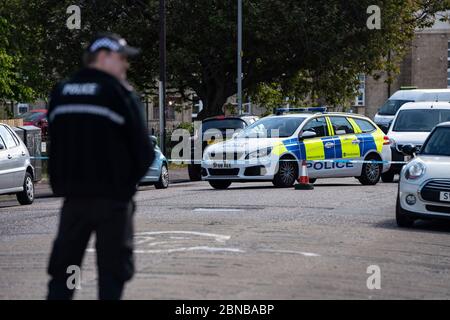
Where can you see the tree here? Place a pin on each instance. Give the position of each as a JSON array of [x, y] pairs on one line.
[[12, 79], [59, 49], [309, 47]]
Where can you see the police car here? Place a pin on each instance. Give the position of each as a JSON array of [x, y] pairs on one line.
[[273, 148]]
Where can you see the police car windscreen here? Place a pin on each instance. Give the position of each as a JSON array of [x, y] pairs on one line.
[[391, 107], [438, 144], [223, 124], [272, 127], [420, 120]]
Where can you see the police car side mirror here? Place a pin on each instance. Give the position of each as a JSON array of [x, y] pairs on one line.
[[2, 146], [307, 134]]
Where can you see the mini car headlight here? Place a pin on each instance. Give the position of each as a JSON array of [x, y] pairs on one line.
[[415, 171], [258, 154]]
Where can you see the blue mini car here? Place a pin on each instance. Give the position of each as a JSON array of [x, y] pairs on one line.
[[158, 173]]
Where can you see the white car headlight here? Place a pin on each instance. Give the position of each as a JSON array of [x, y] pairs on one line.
[[258, 154], [415, 171]]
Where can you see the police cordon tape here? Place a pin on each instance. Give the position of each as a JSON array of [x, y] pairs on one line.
[[286, 160]]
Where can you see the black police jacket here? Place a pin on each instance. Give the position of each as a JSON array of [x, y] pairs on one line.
[[99, 145]]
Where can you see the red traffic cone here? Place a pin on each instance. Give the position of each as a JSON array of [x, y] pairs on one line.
[[303, 180]]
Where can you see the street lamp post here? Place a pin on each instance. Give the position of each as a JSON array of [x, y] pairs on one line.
[[162, 74]]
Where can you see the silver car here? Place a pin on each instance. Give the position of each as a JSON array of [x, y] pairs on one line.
[[16, 171]]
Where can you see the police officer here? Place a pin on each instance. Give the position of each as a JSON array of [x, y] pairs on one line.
[[99, 150]]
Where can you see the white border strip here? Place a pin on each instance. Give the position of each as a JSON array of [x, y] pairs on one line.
[[87, 109]]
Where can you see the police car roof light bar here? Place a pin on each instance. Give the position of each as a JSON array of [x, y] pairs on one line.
[[280, 111]]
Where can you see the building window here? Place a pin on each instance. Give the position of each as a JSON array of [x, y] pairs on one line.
[[360, 100]]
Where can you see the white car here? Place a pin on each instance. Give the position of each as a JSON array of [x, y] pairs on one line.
[[424, 187], [273, 149], [387, 112], [412, 125]]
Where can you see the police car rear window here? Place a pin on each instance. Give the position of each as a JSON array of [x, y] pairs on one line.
[[341, 125], [364, 125]]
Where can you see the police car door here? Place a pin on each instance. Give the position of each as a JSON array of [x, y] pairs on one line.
[[319, 147], [347, 147]]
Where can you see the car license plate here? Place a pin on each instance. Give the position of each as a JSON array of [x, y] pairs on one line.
[[445, 196], [221, 165]]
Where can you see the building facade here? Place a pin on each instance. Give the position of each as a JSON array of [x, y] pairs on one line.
[[425, 66]]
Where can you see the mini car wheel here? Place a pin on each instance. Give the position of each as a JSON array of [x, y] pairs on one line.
[[27, 195], [401, 216], [195, 172], [219, 184], [163, 181]]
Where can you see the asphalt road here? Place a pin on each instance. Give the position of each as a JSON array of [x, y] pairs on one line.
[[252, 241]]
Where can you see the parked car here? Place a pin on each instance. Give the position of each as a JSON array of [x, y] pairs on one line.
[[412, 125], [424, 187], [37, 118], [158, 173], [387, 112], [273, 149], [221, 123], [16, 171]]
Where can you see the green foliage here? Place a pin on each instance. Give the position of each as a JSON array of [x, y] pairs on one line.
[[304, 49], [189, 126], [12, 79]]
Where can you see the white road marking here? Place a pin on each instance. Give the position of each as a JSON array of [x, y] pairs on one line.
[[145, 237], [306, 254], [217, 237], [217, 210], [202, 248]]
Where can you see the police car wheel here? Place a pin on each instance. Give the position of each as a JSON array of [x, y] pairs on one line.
[[312, 180], [403, 221], [219, 184], [163, 182], [27, 195], [286, 175], [371, 172]]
